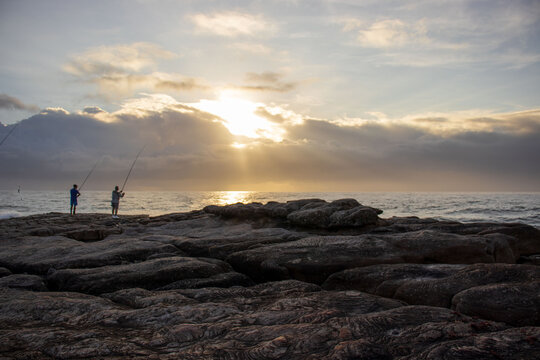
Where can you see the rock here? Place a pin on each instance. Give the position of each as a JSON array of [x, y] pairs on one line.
[[339, 213], [526, 239], [22, 281], [287, 320], [511, 344], [220, 247], [51, 224], [433, 285], [4, 272], [149, 274], [516, 304], [38, 254], [308, 213], [220, 280], [386, 279], [313, 259], [181, 285], [523, 239], [20, 308]]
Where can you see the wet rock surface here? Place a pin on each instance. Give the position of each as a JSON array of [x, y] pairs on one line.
[[306, 279]]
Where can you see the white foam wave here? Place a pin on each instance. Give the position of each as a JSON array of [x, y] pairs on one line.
[[9, 214]]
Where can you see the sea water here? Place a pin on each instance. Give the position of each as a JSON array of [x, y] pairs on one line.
[[464, 207]]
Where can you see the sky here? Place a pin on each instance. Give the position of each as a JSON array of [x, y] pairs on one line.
[[284, 95]]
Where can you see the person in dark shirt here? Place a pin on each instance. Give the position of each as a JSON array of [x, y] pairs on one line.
[[115, 202], [74, 195]]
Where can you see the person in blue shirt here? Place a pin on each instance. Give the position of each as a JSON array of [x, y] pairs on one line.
[[74, 195]]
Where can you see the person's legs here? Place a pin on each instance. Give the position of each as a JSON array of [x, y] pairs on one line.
[[71, 210], [74, 209]]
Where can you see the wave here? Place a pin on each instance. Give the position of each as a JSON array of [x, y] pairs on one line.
[[9, 214]]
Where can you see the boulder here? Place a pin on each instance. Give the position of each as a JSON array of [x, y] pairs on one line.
[[525, 238], [315, 258], [37, 255], [223, 280], [307, 213], [23, 282], [149, 274], [516, 304], [386, 279], [434, 285], [222, 246]]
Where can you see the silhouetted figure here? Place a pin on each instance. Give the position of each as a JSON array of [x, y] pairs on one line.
[[115, 202], [74, 195]]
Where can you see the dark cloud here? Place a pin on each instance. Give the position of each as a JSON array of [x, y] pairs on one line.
[[92, 110], [275, 118], [267, 81], [433, 120], [282, 87], [11, 103], [188, 149], [268, 76], [187, 84]]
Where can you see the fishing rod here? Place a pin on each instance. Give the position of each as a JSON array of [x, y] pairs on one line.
[[90, 173], [131, 168], [9, 133]]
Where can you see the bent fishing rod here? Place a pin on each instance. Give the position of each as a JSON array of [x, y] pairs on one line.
[[131, 168], [9, 133], [90, 173]]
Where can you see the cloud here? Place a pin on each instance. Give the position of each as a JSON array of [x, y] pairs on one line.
[[421, 34], [12, 103], [120, 71], [232, 24], [93, 110], [190, 149], [117, 59], [186, 84], [267, 81], [392, 33]]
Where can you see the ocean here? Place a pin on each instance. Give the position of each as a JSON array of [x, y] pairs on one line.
[[464, 207]]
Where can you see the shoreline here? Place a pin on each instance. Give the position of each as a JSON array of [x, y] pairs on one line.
[[457, 207]]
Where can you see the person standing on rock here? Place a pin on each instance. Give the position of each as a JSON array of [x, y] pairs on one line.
[[115, 202], [74, 195]]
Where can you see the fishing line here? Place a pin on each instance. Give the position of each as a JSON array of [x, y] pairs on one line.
[[9, 133], [91, 171], [131, 168]]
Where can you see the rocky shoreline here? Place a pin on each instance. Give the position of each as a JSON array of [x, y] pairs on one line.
[[306, 279]]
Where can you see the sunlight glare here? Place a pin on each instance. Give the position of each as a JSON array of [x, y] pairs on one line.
[[239, 117], [232, 197]]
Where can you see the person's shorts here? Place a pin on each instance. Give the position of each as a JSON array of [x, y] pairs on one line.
[[114, 205], [73, 202]]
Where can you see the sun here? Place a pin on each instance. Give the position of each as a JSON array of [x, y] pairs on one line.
[[240, 117]]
